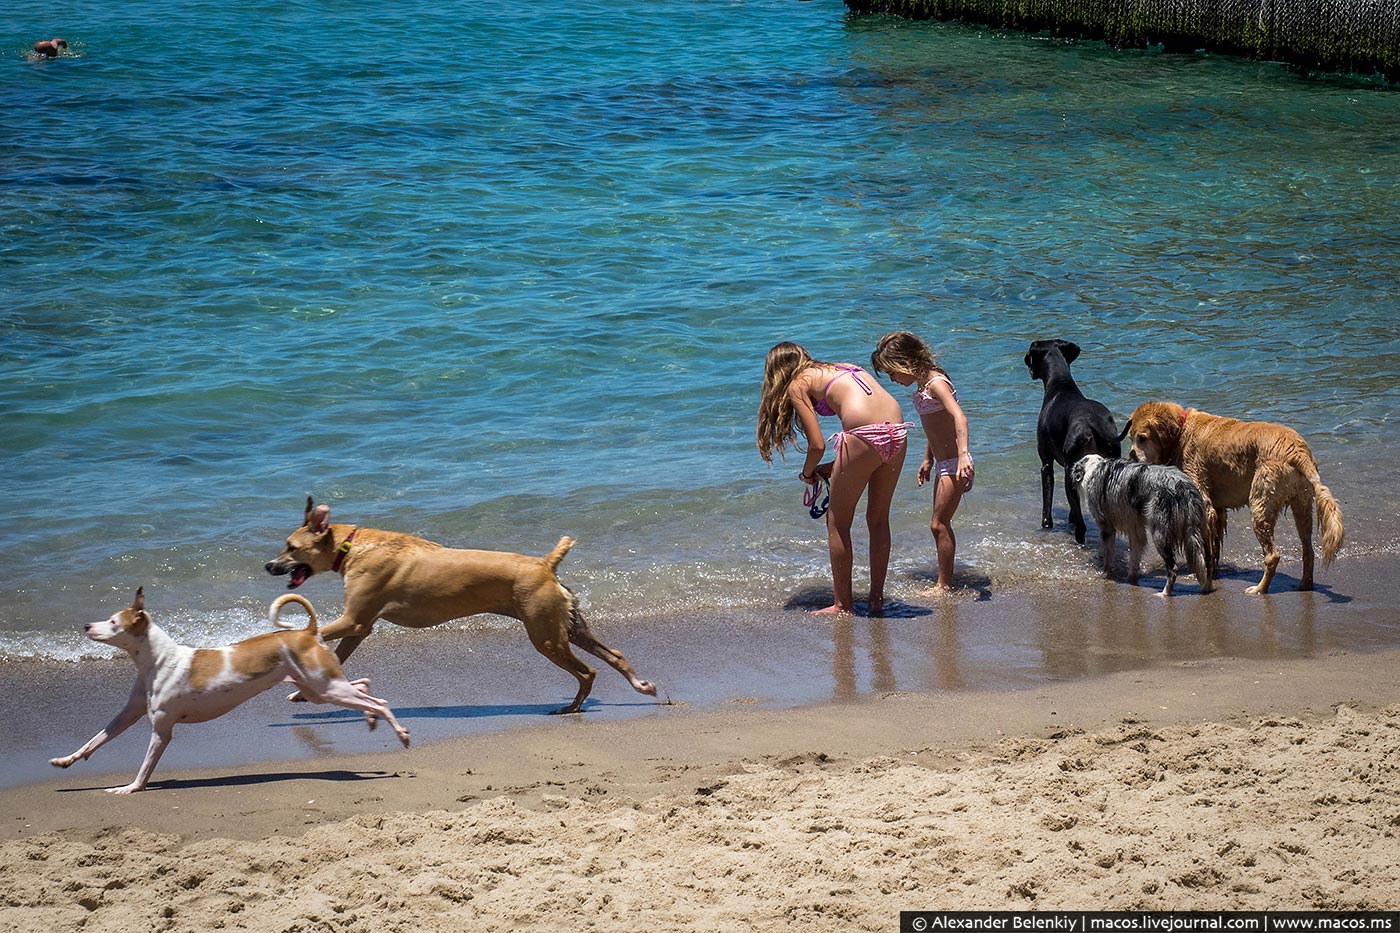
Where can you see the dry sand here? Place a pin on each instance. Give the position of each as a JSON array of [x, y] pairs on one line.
[[1209, 784]]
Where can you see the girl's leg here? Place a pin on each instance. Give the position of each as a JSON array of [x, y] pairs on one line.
[[850, 473], [946, 497], [877, 519]]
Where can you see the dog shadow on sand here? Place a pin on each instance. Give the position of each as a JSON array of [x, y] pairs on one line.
[[1282, 584], [250, 780], [1230, 577], [481, 711]]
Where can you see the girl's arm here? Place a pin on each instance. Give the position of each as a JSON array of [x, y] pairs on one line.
[[811, 428], [943, 391], [925, 468]]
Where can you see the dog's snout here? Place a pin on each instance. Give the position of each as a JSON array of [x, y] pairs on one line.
[[87, 626]]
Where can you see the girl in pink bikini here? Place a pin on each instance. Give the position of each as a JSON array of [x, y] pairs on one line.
[[869, 453], [908, 361]]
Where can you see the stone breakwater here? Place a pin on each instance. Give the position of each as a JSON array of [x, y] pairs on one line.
[[1355, 36]]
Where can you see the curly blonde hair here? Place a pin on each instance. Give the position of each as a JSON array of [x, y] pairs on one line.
[[777, 419], [902, 352]]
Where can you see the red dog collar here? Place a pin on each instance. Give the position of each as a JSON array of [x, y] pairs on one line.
[[1184, 413], [343, 550]]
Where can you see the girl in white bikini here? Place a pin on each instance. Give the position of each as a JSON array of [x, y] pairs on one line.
[[908, 361], [869, 453]]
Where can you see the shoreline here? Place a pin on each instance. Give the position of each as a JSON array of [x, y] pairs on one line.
[[1227, 783], [465, 681]]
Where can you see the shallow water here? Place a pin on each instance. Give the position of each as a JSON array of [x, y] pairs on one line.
[[496, 277]]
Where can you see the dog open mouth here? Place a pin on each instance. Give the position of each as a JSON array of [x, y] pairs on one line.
[[298, 575]]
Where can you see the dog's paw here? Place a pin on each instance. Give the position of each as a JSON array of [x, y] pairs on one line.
[[296, 697], [646, 687], [63, 762], [1047, 523], [123, 791], [1256, 590]]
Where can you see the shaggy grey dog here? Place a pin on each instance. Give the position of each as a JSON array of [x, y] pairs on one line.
[[1142, 500]]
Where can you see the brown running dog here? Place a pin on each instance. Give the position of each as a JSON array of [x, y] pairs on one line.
[[1256, 463], [417, 583]]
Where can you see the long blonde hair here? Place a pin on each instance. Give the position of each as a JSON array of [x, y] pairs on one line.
[[902, 352], [777, 419]]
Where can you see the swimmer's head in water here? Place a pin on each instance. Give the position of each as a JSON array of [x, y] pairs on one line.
[[51, 47]]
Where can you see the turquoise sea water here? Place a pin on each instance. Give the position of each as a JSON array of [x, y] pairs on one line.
[[496, 273]]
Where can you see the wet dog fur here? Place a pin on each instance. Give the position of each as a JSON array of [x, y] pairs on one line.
[[1235, 463], [1146, 501], [1069, 427]]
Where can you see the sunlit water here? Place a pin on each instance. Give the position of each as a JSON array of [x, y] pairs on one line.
[[493, 274]]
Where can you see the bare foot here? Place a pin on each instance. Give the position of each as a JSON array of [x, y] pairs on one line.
[[875, 607], [833, 611], [938, 591]]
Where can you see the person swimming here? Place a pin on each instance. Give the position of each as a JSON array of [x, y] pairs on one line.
[[48, 48]]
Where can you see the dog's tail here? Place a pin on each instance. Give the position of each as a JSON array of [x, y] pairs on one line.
[[1193, 535], [553, 558], [1198, 555], [275, 610], [1126, 428], [1329, 519]]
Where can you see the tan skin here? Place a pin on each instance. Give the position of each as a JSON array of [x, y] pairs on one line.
[[856, 469], [946, 432]]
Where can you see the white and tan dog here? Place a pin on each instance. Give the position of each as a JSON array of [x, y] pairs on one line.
[[175, 683]]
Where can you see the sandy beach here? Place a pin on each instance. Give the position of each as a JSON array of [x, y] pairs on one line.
[[1227, 783]]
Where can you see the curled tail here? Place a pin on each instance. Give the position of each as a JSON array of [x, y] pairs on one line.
[[1329, 519], [553, 558], [275, 610]]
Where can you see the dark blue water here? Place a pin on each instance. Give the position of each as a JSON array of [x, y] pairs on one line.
[[494, 274]]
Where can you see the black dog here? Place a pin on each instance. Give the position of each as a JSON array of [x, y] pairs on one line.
[[1070, 426]]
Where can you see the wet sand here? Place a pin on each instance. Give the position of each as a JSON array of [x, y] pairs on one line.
[[1093, 746], [481, 677], [1224, 783]]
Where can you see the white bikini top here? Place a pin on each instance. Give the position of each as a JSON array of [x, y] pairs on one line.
[[925, 402]]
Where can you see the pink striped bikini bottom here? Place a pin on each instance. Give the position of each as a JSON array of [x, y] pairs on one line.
[[888, 439]]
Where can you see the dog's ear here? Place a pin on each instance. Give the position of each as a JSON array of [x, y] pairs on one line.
[[310, 504], [1034, 358], [320, 518], [141, 620], [1068, 349]]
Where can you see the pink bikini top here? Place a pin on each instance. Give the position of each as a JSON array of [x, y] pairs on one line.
[[821, 407], [925, 402]]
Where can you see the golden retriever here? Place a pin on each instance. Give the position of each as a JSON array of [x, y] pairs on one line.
[[1265, 466]]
